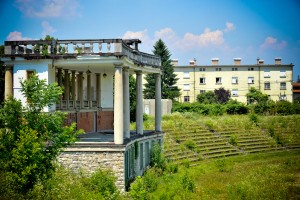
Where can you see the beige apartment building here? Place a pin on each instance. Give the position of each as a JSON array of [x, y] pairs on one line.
[[275, 79]]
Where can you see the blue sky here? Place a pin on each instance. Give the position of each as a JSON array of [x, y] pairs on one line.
[[201, 29]]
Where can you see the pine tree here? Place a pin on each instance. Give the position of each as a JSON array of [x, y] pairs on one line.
[[168, 79]]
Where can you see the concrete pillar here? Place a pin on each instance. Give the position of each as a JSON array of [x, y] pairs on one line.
[[8, 89], [89, 88], [158, 103], [80, 88], [67, 85], [73, 86], [139, 103], [118, 105], [98, 89], [126, 104]]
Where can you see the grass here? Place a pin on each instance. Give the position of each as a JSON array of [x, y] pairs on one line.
[[257, 176]]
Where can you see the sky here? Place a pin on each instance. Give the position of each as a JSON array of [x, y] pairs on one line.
[[200, 29]]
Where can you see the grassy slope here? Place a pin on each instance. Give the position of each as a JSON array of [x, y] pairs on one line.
[[257, 176]]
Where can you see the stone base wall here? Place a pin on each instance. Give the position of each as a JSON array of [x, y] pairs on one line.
[[91, 161]]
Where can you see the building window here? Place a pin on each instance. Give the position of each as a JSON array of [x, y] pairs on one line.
[[267, 86], [234, 93], [218, 69], [250, 80], [234, 80], [250, 68], [234, 69], [186, 75], [218, 80], [267, 74], [202, 91], [186, 87], [202, 80], [283, 85], [202, 69], [29, 73], [282, 73], [186, 98], [283, 97]]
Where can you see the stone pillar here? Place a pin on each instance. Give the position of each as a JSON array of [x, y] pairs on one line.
[[80, 88], [73, 86], [98, 89], [89, 88], [67, 85], [139, 103], [118, 105], [8, 89], [126, 104], [158, 103]]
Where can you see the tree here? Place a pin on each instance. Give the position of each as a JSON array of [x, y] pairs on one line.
[[30, 139], [132, 96], [168, 79], [207, 97], [256, 96], [222, 95], [2, 74]]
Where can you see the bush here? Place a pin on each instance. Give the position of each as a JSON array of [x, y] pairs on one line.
[[103, 182], [235, 107], [284, 108], [157, 158], [188, 183], [233, 140], [190, 144]]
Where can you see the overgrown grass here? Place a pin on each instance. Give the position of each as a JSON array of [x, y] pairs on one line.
[[258, 176]]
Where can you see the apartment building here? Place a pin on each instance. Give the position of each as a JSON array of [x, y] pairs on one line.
[[275, 79]]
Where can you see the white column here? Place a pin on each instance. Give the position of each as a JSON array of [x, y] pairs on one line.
[[8, 89], [73, 86], [126, 104], [98, 89], [89, 88], [118, 105], [158, 103], [139, 103]]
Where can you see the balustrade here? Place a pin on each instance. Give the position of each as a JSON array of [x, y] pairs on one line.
[[104, 47]]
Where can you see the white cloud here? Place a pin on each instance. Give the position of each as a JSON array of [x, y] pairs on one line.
[[272, 43], [166, 34], [229, 27], [47, 29], [48, 8], [15, 35], [136, 35], [207, 38]]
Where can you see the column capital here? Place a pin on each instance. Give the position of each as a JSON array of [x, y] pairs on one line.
[[73, 71], [8, 66], [138, 72], [125, 68], [118, 64]]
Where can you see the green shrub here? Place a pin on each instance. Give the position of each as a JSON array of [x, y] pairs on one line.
[[190, 144], [284, 108], [172, 168], [186, 163], [233, 140], [234, 107], [254, 118], [157, 158], [187, 183], [103, 182]]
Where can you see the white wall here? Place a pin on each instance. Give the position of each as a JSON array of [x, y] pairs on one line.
[[107, 99], [20, 73]]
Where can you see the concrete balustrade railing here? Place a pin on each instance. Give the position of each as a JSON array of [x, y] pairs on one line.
[[72, 48]]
